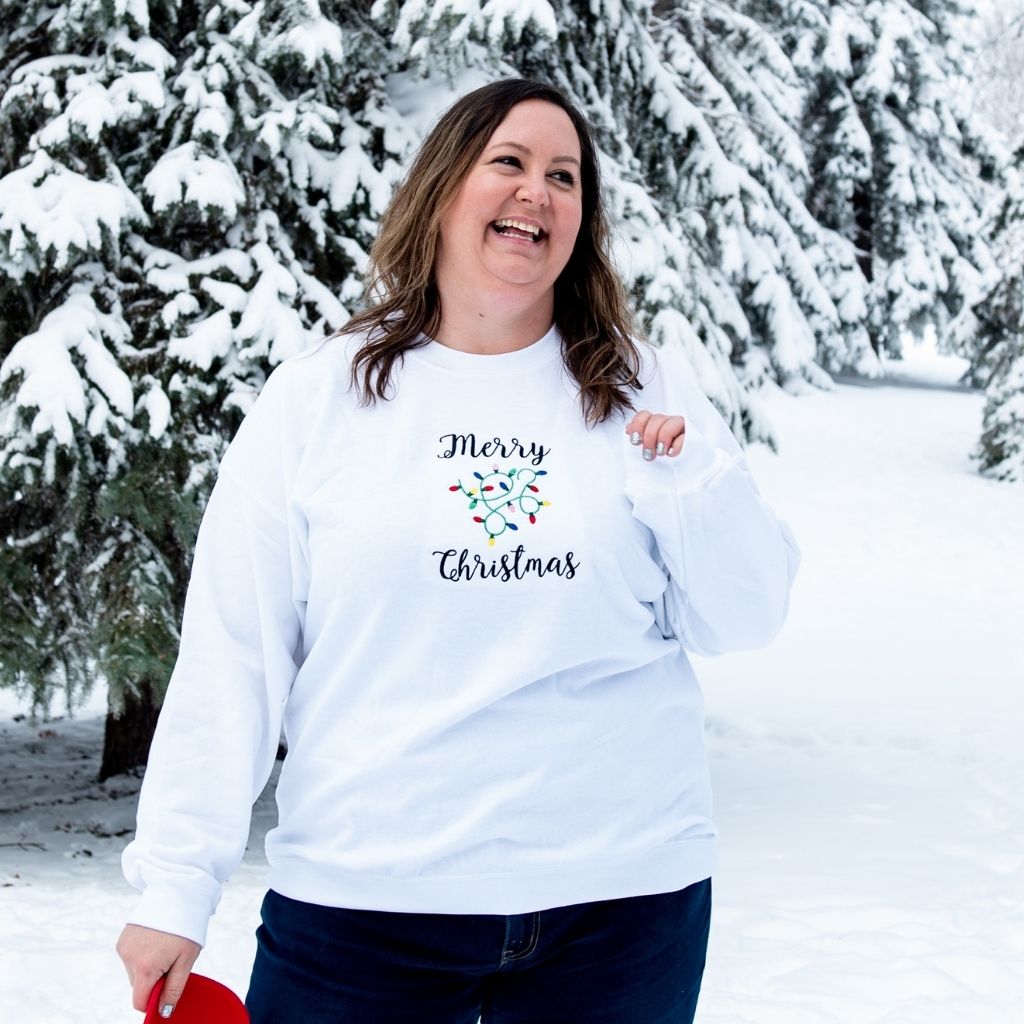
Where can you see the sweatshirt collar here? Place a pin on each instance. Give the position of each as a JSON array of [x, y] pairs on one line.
[[536, 354]]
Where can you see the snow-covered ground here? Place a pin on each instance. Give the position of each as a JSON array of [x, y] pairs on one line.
[[867, 766]]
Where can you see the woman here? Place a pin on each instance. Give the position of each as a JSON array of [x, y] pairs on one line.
[[450, 555]]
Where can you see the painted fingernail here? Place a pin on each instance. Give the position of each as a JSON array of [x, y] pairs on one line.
[[165, 1010], [671, 451], [648, 454], [660, 448], [634, 438]]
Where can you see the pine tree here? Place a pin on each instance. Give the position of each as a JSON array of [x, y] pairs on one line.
[[993, 329], [188, 192], [796, 279], [896, 159], [997, 68], [66, 210], [189, 196]]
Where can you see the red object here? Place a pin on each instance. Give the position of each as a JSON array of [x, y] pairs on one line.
[[204, 1001]]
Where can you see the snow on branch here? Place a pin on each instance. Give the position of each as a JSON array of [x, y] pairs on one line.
[[187, 176], [57, 386], [49, 209]]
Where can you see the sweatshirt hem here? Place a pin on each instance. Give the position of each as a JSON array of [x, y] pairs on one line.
[[665, 869]]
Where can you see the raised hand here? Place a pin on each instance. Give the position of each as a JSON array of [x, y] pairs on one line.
[[659, 433]]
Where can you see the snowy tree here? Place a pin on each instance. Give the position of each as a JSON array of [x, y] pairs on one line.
[[188, 193], [64, 210], [993, 330], [797, 279], [187, 199], [895, 157], [998, 68]]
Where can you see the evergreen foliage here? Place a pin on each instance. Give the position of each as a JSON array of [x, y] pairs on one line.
[[993, 330], [897, 161], [189, 188], [188, 198]]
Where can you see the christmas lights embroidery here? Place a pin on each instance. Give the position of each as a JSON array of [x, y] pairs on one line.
[[498, 496]]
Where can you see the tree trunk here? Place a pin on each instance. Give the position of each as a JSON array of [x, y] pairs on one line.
[[864, 245], [128, 735]]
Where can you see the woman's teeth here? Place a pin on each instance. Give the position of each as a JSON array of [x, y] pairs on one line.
[[518, 228]]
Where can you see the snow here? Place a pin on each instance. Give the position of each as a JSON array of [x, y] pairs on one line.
[[46, 205], [923, 364], [269, 323], [868, 780], [420, 101], [45, 66], [315, 41], [147, 51], [456, 18], [515, 16], [157, 406], [208, 339], [186, 175], [49, 380]]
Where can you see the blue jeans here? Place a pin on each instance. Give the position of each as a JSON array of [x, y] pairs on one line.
[[637, 960]]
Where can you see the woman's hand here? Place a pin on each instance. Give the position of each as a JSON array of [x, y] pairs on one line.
[[658, 433], [148, 955]]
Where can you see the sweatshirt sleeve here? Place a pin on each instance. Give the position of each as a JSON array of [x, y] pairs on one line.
[[729, 561], [219, 727]]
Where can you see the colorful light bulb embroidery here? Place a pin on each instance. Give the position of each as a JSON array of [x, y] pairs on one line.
[[499, 496]]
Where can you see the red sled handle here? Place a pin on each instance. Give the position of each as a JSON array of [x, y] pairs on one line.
[[203, 1001]]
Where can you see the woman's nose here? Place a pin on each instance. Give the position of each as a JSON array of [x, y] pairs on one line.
[[533, 191]]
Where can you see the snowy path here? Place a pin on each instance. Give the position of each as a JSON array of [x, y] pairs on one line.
[[868, 775], [868, 770]]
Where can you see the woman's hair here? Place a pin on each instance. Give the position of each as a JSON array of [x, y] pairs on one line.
[[591, 310]]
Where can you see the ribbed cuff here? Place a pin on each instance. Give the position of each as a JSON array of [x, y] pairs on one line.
[[177, 911]]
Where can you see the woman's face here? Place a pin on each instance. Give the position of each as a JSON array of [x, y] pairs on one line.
[[514, 222]]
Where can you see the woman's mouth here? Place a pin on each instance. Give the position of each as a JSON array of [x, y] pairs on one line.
[[509, 227]]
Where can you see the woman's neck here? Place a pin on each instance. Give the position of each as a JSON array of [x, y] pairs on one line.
[[489, 324]]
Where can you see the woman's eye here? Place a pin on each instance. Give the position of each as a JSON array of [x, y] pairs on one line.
[[566, 178]]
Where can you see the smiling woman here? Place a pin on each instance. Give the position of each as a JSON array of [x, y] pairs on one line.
[[514, 151], [454, 558], [513, 223]]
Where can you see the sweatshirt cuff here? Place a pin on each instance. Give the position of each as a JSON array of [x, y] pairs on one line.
[[168, 909], [691, 469]]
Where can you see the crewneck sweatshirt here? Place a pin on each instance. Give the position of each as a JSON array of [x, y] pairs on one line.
[[470, 613]]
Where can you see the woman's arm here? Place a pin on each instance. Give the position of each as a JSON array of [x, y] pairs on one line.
[[219, 727], [730, 562]]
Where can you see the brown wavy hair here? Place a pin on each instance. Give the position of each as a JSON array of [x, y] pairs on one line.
[[592, 312]]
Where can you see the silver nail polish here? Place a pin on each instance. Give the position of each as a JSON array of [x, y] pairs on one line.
[[634, 438], [648, 454], [660, 448], [165, 1010]]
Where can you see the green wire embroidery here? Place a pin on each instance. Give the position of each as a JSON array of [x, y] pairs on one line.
[[502, 495]]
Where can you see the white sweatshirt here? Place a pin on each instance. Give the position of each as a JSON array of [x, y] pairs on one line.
[[469, 611]]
